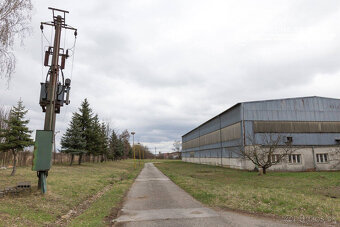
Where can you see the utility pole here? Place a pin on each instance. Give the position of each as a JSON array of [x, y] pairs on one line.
[[133, 148], [51, 98]]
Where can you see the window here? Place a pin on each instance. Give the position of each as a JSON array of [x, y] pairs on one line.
[[275, 158], [289, 139], [294, 158], [321, 158]]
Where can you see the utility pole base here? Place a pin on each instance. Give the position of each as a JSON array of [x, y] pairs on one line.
[[42, 175]]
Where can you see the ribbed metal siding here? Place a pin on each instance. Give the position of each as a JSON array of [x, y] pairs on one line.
[[296, 109], [190, 144], [231, 132], [211, 138], [231, 116], [296, 127]]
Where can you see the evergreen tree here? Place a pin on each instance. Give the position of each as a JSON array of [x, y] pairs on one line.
[[73, 141], [104, 144], [95, 137], [86, 117], [116, 148], [16, 136]]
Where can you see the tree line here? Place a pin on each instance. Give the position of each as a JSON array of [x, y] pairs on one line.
[[87, 136]]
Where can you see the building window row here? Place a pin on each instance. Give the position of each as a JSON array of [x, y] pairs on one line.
[[294, 158], [321, 158]]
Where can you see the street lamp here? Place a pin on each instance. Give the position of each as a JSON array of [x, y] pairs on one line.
[[133, 148], [139, 152]]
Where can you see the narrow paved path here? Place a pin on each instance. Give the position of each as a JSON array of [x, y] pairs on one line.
[[154, 200]]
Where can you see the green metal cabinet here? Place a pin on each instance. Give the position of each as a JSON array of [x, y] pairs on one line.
[[42, 155]]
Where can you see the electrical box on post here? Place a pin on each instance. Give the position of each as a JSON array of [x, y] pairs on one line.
[[42, 155]]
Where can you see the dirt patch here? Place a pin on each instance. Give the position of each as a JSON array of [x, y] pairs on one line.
[[116, 211], [331, 192], [71, 214]]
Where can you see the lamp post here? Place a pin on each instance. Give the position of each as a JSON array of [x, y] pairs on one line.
[[139, 153], [133, 148]]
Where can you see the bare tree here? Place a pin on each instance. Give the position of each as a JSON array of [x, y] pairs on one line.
[[3, 116], [335, 157], [177, 146], [15, 17], [124, 138], [273, 149]]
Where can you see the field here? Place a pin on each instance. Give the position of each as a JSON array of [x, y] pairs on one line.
[[308, 197], [82, 195]]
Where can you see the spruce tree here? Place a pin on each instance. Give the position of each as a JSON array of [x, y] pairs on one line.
[[116, 147], [73, 141], [95, 137], [104, 144], [86, 118], [16, 136]]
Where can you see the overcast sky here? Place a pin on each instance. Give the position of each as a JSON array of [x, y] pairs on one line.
[[161, 68]]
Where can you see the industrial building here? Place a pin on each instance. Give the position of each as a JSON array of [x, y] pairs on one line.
[[310, 124]]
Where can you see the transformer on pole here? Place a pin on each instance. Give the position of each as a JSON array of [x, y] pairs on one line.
[[52, 97]]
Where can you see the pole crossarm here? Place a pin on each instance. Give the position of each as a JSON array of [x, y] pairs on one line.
[[65, 26]]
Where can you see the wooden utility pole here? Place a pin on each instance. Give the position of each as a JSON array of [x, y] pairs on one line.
[[55, 92], [50, 115]]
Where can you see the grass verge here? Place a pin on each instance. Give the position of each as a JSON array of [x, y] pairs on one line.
[[301, 196], [68, 186]]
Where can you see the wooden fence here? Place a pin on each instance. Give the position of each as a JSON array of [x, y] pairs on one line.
[[25, 158]]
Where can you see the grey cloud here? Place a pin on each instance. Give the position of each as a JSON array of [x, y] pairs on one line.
[[161, 68]]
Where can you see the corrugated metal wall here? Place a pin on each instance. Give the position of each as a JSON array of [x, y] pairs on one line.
[[309, 120], [296, 127], [208, 139], [296, 109]]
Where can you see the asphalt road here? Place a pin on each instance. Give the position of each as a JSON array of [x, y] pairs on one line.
[[154, 200]]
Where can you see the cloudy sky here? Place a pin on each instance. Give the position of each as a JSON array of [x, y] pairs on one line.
[[160, 68]]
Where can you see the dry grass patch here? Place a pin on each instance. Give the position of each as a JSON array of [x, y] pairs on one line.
[[308, 196], [68, 186]]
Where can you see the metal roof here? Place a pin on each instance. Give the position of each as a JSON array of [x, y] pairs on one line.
[[257, 105]]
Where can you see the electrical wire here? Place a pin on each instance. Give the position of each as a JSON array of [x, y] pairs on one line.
[[45, 38], [74, 44], [42, 56], [65, 35], [73, 49], [51, 33], [73, 53]]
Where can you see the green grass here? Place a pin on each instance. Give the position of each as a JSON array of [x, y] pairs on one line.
[[299, 195], [68, 186]]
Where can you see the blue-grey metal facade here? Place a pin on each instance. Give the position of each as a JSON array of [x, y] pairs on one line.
[[243, 115]]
